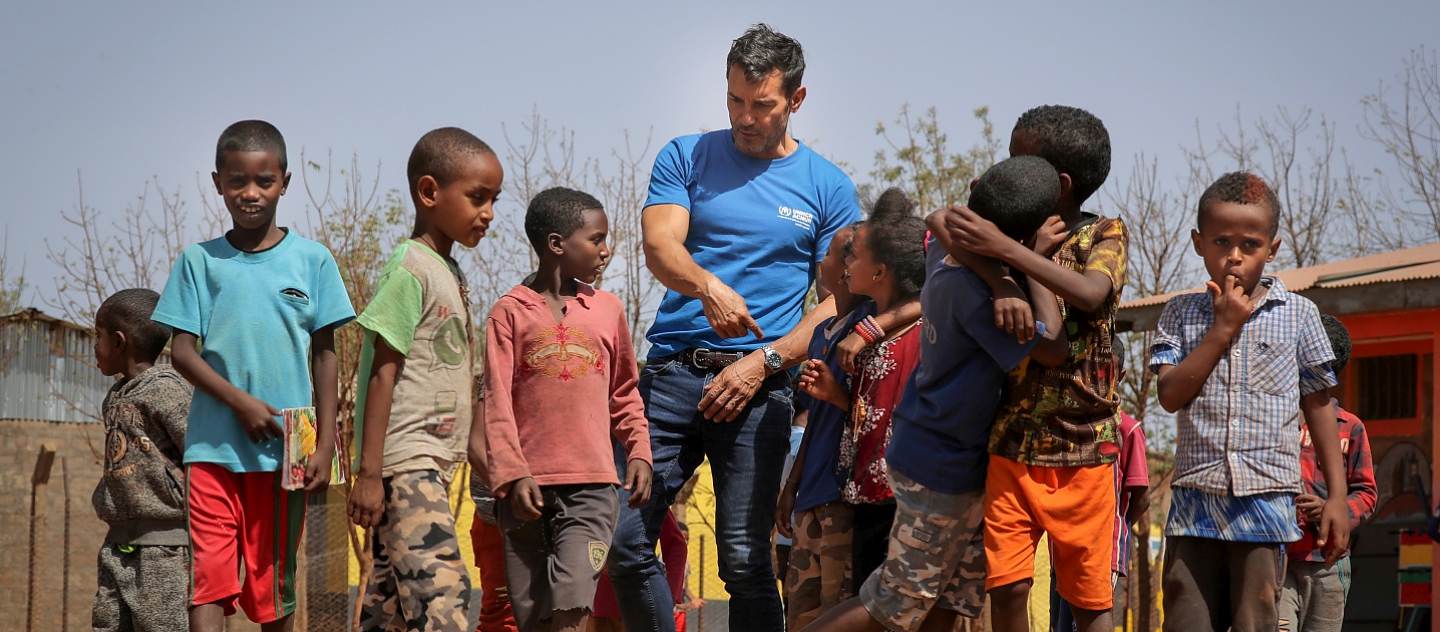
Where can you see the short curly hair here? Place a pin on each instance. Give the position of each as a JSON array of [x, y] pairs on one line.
[[1240, 187], [128, 312], [557, 210], [1339, 341], [1073, 141]]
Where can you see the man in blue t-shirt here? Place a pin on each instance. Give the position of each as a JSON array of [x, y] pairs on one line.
[[941, 429], [735, 225]]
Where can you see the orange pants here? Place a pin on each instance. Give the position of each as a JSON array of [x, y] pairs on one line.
[[495, 613], [1074, 505]]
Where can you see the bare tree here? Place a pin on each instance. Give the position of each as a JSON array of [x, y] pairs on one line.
[[921, 163], [1408, 127]]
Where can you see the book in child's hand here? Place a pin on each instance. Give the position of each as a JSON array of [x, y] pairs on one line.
[[300, 437]]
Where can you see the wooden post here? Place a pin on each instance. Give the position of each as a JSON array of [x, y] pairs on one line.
[[65, 558], [38, 480]]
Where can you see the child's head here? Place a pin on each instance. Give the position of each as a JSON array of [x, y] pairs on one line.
[[1339, 341], [1073, 141], [1237, 222], [889, 249], [250, 173], [832, 267], [124, 332], [1017, 194], [454, 180], [568, 229]]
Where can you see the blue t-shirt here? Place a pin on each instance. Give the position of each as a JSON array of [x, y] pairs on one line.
[[761, 226], [941, 429], [254, 313], [818, 481]]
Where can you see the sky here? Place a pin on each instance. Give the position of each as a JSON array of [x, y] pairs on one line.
[[128, 93]]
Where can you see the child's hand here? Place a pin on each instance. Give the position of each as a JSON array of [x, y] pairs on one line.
[[977, 234], [526, 499], [817, 381], [1051, 234], [1311, 507], [317, 470], [1232, 306], [785, 510], [1334, 536], [638, 476], [257, 418], [849, 349], [367, 501], [1013, 312]]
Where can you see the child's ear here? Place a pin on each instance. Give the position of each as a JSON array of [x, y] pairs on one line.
[[215, 178], [120, 340], [1274, 250], [285, 183], [1195, 239], [427, 190], [556, 243], [1067, 187]]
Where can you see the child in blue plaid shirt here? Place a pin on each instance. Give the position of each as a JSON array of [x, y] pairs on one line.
[[1239, 365]]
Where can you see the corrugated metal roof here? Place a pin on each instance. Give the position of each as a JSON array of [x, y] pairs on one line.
[[1420, 262], [47, 370]]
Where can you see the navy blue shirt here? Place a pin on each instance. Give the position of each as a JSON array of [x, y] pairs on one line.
[[760, 226], [941, 429], [818, 481]]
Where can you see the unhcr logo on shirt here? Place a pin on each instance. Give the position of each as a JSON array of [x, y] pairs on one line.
[[801, 218]]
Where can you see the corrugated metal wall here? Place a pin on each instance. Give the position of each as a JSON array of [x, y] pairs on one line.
[[47, 373]]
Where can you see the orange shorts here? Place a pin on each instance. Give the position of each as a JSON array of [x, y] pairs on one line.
[[1074, 505]]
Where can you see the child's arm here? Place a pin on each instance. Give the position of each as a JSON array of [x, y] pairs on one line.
[[1334, 520], [627, 415], [256, 417], [817, 381], [900, 314], [1180, 383], [479, 461], [367, 494], [1086, 292], [325, 369], [1012, 309], [1360, 471], [1139, 504], [509, 471], [1054, 347], [785, 508]]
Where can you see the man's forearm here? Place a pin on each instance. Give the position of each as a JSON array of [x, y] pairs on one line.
[[793, 347]]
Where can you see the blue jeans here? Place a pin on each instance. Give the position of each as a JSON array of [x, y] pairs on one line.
[[746, 457]]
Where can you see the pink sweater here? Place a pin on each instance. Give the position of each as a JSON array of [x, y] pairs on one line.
[[555, 394]]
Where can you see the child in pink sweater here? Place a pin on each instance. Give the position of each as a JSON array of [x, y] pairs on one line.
[[560, 386]]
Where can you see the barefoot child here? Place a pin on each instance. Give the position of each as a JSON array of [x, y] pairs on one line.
[[417, 391], [560, 383]]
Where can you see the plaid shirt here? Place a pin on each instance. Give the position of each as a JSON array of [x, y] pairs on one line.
[[1237, 437], [1359, 477]]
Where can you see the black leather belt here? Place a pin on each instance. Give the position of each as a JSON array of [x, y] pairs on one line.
[[710, 359]]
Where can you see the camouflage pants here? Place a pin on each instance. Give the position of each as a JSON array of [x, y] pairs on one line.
[[145, 589], [936, 558], [419, 581], [819, 575]]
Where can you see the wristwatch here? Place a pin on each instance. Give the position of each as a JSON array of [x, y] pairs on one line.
[[773, 361]]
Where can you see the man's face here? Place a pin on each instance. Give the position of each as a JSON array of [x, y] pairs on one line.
[[759, 113]]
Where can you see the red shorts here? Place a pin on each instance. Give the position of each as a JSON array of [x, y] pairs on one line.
[[243, 517]]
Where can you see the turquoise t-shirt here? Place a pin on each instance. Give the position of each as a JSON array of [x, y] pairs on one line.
[[254, 313], [761, 226]]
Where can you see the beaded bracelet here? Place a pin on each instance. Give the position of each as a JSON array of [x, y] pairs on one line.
[[863, 332], [874, 326]]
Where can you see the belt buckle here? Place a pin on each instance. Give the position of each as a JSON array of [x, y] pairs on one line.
[[700, 358]]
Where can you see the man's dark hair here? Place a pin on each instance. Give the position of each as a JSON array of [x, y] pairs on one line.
[[1017, 194], [1074, 141], [1339, 341], [896, 236], [128, 312], [1117, 347], [1240, 187], [557, 210], [251, 136], [439, 154], [763, 50]]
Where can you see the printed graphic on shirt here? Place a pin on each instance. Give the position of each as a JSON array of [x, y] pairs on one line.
[[450, 338], [800, 217], [563, 353]]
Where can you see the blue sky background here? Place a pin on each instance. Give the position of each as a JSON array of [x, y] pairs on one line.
[[128, 93]]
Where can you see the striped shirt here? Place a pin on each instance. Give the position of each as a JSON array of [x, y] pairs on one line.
[[1237, 437]]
